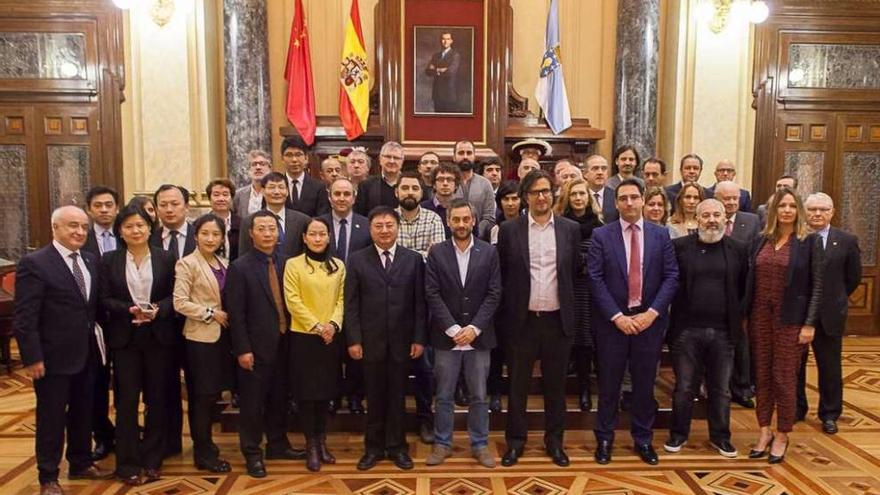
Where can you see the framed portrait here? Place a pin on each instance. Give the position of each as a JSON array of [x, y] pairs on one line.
[[443, 70]]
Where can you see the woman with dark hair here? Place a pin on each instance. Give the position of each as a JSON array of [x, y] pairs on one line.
[[508, 205], [684, 216], [574, 203], [200, 278], [624, 165], [783, 292], [136, 283], [313, 291], [656, 207], [145, 203]]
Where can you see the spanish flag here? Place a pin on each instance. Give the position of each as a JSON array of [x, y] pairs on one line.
[[354, 78], [300, 108]]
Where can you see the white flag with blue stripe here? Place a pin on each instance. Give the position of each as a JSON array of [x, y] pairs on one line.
[[550, 91]]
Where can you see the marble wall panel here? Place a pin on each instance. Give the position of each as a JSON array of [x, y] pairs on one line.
[[808, 167], [42, 55], [13, 201], [833, 66], [860, 211], [68, 174]]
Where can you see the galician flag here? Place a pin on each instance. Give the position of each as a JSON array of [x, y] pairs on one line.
[[550, 91], [354, 78]]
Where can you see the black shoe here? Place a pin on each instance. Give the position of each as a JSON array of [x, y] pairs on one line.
[[333, 405], [102, 450], [585, 400], [777, 459], [402, 460], [313, 456], [289, 453], [461, 399], [355, 405], [603, 452], [215, 465], [368, 461], [647, 454], [426, 433], [829, 426], [625, 401], [495, 403], [724, 448], [511, 457], [558, 456], [746, 402], [256, 469], [674, 444]]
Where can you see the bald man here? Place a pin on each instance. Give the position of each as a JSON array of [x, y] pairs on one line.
[[725, 171], [56, 299]]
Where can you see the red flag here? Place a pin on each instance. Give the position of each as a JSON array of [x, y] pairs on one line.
[[298, 73]]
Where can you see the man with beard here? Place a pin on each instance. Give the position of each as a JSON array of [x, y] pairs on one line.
[[707, 324], [427, 163], [249, 198], [476, 189]]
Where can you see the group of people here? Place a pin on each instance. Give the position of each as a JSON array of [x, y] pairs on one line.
[[296, 292]]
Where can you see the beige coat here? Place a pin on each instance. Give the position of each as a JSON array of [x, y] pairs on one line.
[[196, 290]]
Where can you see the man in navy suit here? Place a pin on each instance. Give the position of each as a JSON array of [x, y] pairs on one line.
[[634, 276], [725, 171], [305, 193], [385, 320], [291, 223], [350, 233], [601, 196], [463, 290], [690, 167], [55, 307]]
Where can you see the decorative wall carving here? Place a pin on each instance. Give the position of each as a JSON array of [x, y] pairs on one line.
[[42, 55], [834, 66], [13, 201], [860, 211]]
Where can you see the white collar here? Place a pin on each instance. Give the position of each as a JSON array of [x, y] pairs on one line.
[[392, 250], [549, 222], [99, 231], [182, 230], [65, 253], [467, 249], [348, 217], [640, 223]]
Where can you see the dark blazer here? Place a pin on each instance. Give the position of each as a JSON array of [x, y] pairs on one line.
[[746, 227], [609, 206], [253, 317], [188, 246], [444, 90], [745, 198], [115, 299], [513, 254], [385, 311], [803, 281], [358, 233], [233, 231], [736, 255], [52, 322], [841, 276], [606, 265], [91, 245], [294, 226], [474, 303], [313, 200], [373, 192]]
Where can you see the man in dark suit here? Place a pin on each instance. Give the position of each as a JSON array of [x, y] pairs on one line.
[[633, 275], [378, 190], [55, 308], [221, 194], [725, 171], [305, 193], [463, 290], [539, 260], [385, 320], [601, 196], [103, 205], [842, 274], [706, 323], [690, 167], [291, 223], [258, 322], [443, 67], [786, 180], [744, 227], [177, 236]]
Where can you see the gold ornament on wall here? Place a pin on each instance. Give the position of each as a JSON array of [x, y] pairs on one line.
[[162, 11]]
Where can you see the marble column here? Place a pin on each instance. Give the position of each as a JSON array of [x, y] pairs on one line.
[[246, 56], [638, 52]]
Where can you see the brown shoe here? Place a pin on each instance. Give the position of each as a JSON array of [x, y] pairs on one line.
[[92, 472], [51, 488]]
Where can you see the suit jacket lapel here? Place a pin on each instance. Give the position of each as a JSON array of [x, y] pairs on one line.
[[62, 265], [156, 268], [475, 260], [378, 262], [523, 238], [648, 244], [621, 252], [263, 276], [209, 273]]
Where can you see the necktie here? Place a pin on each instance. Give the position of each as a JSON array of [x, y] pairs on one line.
[[280, 231], [78, 276], [173, 246], [107, 242], [294, 190], [635, 270], [342, 241], [387, 256], [728, 229], [276, 295], [597, 205]]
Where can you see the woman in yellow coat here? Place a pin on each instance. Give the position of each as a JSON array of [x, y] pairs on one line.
[[313, 283]]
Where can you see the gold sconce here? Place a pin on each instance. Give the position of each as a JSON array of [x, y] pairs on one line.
[[162, 11], [717, 14]]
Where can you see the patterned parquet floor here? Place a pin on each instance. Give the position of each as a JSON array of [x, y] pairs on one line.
[[846, 463]]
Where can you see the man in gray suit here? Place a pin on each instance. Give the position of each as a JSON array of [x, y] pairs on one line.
[[744, 227], [248, 199]]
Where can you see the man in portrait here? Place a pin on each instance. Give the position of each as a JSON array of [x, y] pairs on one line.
[[443, 68]]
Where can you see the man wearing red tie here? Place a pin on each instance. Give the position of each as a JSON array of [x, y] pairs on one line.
[[634, 275]]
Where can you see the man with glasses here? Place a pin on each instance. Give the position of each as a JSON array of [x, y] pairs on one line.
[[447, 176], [539, 259], [378, 190], [427, 163], [249, 198], [725, 171], [305, 193]]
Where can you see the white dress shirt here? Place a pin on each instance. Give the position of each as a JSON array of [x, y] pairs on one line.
[[544, 293], [463, 259], [65, 255], [299, 185], [181, 238], [139, 278], [255, 202]]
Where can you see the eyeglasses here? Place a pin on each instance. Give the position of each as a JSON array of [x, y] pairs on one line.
[[260, 163], [540, 192], [444, 179]]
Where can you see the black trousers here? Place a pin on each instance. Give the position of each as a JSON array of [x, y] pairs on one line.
[[385, 385], [583, 365], [542, 338], [262, 400], [696, 350], [495, 383], [174, 438], [142, 367], [353, 376], [741, 384], [201, 407], [827, 350], [313, 417], [64, 403], [102, 427]]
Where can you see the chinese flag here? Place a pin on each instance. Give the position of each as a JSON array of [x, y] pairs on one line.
[[298, 73], [354, 78]]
